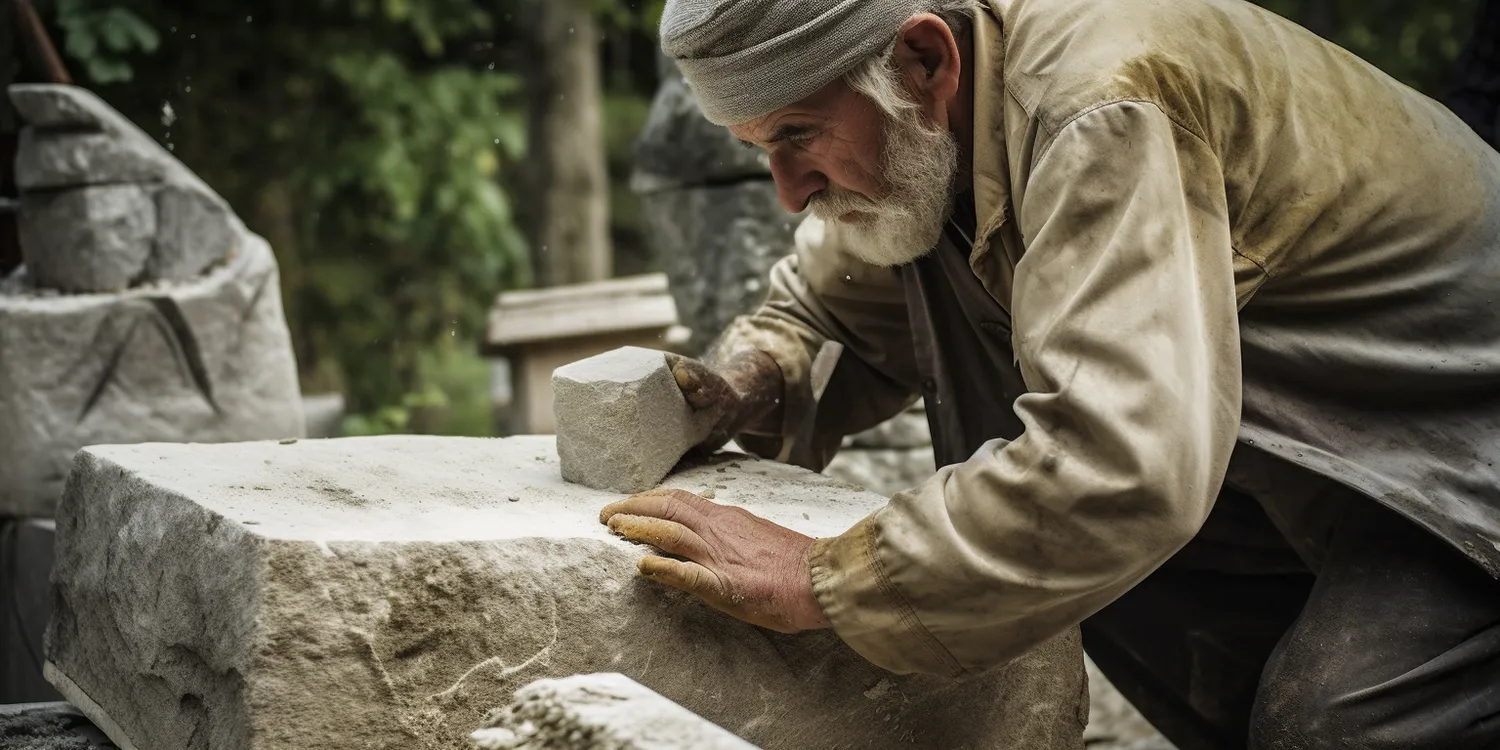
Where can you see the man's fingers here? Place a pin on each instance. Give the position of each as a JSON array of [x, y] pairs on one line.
[[700, 385], [671, 538], [686, 576], [672, 505]]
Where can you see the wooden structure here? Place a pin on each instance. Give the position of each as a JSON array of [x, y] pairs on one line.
[[541, 330]]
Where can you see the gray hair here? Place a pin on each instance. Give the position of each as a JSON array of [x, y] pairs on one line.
[[876, 78]]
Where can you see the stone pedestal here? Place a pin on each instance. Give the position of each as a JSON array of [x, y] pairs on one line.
[[207, 361], [145, 311], [388, 592]]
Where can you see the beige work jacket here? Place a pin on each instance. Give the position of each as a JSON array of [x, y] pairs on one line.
[[1215, 234]]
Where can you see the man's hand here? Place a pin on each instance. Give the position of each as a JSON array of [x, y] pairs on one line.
[[745, 392], [738, 563]]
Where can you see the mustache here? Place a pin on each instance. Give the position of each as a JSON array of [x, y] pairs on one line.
[[833, 202]]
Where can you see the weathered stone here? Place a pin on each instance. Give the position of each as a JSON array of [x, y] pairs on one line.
[[718, 245], [209, 361], [622, 422], [52, 160], [90, 239], [904, 431], [386, 592], [49, 726], [886, 471], [75, 140], [599, 712], [59, 107], [678, 148], [1114, 724], [194, 231]]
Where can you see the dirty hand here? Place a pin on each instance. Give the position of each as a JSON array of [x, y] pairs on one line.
[[744, 391], [738, 563]]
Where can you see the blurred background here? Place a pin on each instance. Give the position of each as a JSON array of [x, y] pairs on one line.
[[410, 159]]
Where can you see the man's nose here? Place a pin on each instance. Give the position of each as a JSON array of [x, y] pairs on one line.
[[796, 181]]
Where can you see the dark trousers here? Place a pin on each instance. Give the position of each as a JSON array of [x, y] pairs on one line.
[[1236, 643]]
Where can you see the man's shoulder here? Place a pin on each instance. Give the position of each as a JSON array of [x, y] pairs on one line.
[[1067, 57]]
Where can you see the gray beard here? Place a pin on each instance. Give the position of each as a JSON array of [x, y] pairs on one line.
[[919, 165]]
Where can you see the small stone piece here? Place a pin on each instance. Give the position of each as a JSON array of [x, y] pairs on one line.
[[51, 160], [622, 423], [60, 107], [90, 239], [599, 712], [194, 231], [387, 593]]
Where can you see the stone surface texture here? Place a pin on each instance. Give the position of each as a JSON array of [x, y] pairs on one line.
[[49, 726], [388, 592], [607, 711], [711, 211], [622, 423], [207, 361], [96, 238], [103, 205]]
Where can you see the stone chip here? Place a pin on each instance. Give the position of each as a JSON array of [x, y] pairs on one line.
[[606, 711], [622, 422]]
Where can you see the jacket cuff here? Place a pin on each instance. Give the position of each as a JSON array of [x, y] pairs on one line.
[[786, 345], [866, 610]]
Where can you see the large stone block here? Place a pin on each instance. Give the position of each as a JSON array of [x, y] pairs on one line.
[[208, 361], [87, 239], [606, 711], [622, 422], [387, 592]]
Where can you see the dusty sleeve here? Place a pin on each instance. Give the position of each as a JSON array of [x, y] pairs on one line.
[[821, 294], [1127, 336]]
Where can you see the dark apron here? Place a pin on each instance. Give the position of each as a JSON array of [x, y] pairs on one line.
[[962, 340]]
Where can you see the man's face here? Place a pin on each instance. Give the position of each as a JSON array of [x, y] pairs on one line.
[[886, 180]]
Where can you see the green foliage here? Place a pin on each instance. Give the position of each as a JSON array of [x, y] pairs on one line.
[[100, 38], [1416, 42]]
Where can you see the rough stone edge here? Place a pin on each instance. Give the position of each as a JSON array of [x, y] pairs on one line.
[[95, 713], [567, 701]]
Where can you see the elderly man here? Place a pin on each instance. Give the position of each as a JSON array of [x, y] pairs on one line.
[[1206, 313]]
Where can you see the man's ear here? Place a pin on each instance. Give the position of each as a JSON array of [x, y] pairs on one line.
[[927, 54]]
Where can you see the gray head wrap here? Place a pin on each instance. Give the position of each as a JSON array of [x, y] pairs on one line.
[[748, 58]]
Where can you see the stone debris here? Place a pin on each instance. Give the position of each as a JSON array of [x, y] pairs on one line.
[[209, 361], [103, 206], [49, 726], [599, 712], [386, 593], [622, 422]]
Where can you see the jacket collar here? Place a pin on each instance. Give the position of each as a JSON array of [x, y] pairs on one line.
[[990, 168]]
